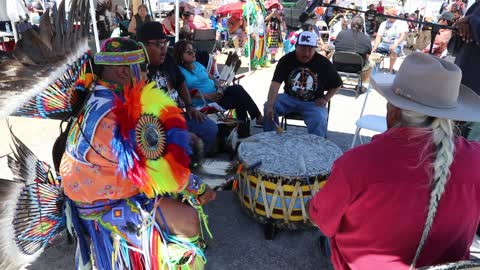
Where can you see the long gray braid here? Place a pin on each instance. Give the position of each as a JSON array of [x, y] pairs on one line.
[[442, 131]]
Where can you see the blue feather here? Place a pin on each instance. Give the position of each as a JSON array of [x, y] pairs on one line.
[[179, 137], [124, 150]]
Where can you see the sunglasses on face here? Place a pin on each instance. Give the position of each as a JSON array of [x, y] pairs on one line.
[[160, 44]]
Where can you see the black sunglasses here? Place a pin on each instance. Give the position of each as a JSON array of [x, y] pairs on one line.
[[160, 44]]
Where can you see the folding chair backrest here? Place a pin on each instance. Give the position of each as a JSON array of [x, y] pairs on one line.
[[204, 39], [322, 25], [349, 62], [204, 34], [202, 57]]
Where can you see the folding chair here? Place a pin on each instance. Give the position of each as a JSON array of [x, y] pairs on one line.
[[299, 117], [204, 39], [371, 122], [323, 30], [350, 64]]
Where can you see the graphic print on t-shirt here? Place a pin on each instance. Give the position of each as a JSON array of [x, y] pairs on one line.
[[161, 78], [303, 84]]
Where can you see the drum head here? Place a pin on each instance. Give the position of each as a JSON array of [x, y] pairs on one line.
[[289, 154]]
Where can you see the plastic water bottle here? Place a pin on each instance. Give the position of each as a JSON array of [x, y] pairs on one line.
[[7, 28]]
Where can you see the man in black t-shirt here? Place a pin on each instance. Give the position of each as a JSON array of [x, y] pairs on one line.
[[307, 76], [165, 72], [370, 19]]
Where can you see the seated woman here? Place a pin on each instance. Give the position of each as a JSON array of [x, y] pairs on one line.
[[169, 23], [139, 19], [188, 25], [197, 77]]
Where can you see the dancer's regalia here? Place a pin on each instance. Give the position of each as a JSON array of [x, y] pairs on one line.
[[257, 47], [126, 149]]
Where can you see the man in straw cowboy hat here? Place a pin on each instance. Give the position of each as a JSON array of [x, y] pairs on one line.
[[411, 197]]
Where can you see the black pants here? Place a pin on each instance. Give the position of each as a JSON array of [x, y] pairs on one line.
[[235, 97]]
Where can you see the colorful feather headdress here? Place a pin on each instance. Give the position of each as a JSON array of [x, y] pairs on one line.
[[151, 140]]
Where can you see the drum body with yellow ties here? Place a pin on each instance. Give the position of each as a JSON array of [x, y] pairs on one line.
[[294, 166]]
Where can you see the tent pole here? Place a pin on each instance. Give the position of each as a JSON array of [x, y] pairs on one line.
[[94, 22], [177, 21], [249, 37], [14, 30]]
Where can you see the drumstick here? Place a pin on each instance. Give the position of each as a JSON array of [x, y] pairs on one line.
[[279, 128], [303, 171]]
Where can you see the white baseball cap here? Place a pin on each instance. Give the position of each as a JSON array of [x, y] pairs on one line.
[[307, 38]]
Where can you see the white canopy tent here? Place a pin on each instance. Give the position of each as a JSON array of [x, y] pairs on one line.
[[13, 11]]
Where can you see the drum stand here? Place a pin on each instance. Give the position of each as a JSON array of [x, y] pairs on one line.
[[270, 230]]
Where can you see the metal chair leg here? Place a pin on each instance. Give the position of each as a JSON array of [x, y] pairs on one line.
[[357, 132]]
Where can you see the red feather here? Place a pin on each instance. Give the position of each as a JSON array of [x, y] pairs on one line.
[[179, 171], [179, 154], [128, 108], [175, 121]]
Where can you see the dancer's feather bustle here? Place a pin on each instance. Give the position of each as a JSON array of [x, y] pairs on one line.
[[31, 208]]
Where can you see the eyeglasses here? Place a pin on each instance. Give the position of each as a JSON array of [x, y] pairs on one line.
[[190, 52], [160, 44]]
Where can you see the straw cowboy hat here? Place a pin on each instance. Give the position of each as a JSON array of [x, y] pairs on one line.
[[431, 86]]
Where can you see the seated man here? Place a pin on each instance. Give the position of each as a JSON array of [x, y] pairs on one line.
[[390, 36], [109, 206], [354, 40], [165, 72], [441, 39], [374, 187], [307, 75]]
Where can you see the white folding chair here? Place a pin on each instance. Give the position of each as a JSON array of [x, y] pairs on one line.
[[371, 122]]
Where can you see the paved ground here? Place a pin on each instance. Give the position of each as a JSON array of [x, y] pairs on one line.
[[238, 242]]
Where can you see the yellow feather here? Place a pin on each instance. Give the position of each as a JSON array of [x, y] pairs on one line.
[[154, 99], [161, 176]]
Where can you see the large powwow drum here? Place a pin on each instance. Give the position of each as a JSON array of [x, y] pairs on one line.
[[294, 166]]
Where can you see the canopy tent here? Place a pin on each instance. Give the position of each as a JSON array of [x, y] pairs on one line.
[[13, 11], [232, 9]]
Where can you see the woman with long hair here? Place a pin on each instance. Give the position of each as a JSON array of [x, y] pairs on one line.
[[139, 19], [210, 90], [411, 197]]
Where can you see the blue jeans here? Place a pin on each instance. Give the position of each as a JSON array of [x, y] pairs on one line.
[[206, 130], [385, 48], [315, 117]]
